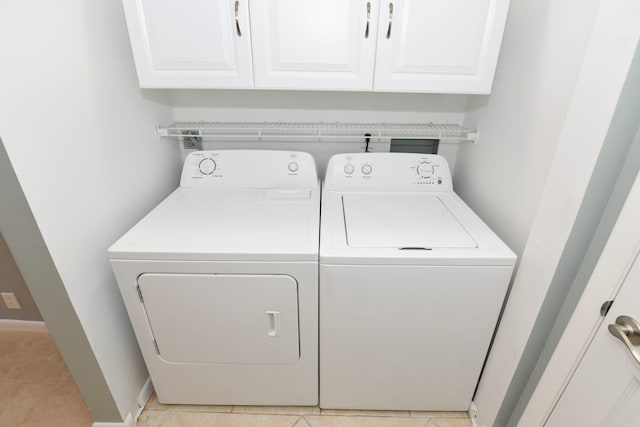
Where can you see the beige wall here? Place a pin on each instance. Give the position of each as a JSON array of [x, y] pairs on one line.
[[11, 281]]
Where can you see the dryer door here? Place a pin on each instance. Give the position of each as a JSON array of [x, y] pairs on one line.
[[222, 318]]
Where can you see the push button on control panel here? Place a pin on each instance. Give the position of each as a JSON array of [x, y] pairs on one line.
[[293, 167], [207, 166]]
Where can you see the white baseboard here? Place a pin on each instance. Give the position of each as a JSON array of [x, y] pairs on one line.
[[132, 417], [144, 396], [473, 414], [130, 421], [109, 425], [23, 325]]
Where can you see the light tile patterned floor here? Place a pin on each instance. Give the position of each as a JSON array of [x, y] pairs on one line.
[[36, 389], [159, 415]]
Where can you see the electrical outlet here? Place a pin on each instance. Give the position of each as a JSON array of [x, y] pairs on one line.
[[11, 301]]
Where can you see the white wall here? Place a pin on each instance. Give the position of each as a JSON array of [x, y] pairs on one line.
[[502, 177], [613, 179], [551, 257], [80, 136]]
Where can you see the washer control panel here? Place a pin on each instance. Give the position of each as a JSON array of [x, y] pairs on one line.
[[388, 171], [249, 169]]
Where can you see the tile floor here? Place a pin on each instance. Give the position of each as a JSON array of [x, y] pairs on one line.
[[36, 388], [156, 414]]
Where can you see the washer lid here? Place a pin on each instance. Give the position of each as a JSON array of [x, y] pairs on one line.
[[402, 221]]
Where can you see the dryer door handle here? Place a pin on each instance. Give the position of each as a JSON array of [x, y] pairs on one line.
[[272, 322]]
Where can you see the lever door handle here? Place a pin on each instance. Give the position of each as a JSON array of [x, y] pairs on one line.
[[627, 330]]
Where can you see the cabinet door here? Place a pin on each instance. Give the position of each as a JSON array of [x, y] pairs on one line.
[[191, 43], [445, 46], [314, 44]]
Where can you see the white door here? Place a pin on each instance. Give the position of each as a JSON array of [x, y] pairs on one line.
[[605, 388], [191, 43], [439, 45], [311, 44]]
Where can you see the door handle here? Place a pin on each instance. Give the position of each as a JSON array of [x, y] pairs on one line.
[[272, 320], [390, 20], [237, 7], [627, 330], [366, 30]]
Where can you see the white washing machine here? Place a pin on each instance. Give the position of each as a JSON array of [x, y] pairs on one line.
[[221, 281], [411, 285]]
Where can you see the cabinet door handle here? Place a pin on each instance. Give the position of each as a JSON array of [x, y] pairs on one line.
[[390, 20], [237, 22], [366, 30]]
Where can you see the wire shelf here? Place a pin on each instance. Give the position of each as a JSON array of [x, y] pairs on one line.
[[316, 131]]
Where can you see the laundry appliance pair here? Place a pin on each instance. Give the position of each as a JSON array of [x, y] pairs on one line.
[[240, 291]]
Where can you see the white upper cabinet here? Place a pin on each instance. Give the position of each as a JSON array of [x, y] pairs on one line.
[[313, 44], [437, 46], [443, 46], [191, 43]]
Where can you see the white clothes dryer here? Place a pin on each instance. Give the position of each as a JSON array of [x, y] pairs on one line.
[[220, 281], [411, 285]]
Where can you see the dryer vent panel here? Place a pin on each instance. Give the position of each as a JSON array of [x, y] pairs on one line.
[[424, 146]]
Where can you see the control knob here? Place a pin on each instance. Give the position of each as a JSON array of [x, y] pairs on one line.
[[293, 167], [425, 170], [367, 169], [207, 166], [348, 169]]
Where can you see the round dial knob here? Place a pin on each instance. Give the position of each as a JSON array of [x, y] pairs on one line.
[[366, 169], [425, 170], [293, 167], [348, 169], [207, 166]]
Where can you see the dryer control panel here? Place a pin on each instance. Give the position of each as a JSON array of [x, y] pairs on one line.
[[388, 171], [249, 169]]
